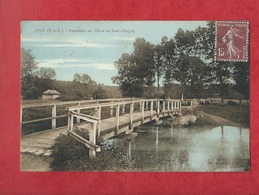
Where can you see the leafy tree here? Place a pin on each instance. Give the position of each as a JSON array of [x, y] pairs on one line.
[[190, 73], [136, 71], [185, 41], [77, 78], [99, 92], [86, 79], [28, 67], [127, 78], [143, 57], [220, 74], [28, 64], [46, 73], [242, 80], [158, 64], [44, 79]]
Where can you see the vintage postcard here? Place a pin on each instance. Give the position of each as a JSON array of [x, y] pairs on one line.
[[135, 96]]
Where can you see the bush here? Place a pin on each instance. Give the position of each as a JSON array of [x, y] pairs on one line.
[[70, 155], [66, 149]]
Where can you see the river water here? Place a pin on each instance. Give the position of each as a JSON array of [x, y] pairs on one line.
[[202, 149]]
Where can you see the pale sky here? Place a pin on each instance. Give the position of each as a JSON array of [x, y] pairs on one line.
[[91, 47]]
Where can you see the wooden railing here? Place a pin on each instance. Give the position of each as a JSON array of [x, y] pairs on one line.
[[155, 107], [54, 105]]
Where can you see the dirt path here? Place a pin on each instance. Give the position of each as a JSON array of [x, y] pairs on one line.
[[209, 119], [32, 162]]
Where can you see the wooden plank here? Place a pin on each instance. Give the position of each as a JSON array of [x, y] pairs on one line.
[[85, 117], [142, 111], [131, 113], [32, 105], [78, 111], [54, 114], [37, 120], [87, 143], [117, 117]]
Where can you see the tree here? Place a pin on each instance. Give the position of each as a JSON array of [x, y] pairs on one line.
[[46, 73], [86, 79], [190, 73], [143, 57], [28, 67], [220, 74], [127, 78], [185, 42], [99, 92], [28, 64], [136, 71], [158, 64], [242, 80], [77, 78]]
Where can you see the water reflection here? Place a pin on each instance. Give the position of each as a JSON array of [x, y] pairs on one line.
[[223, 148]]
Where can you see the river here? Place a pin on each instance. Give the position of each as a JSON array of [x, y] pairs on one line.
[[198, 149]]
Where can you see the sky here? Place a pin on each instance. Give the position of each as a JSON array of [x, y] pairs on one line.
[[91, 47]]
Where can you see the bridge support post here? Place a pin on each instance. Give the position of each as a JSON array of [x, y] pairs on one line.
[[70, 122], [142, 111], [111, 110], [164, 107], [78, 111], [131, 114], [54, 114], [117, 118], [158, 108], [99, 115], [123, 108], [151, 108], [92, 139], [146, 105]]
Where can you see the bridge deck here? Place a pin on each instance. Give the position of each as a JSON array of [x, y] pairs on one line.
[[122, 122], [42, 142]]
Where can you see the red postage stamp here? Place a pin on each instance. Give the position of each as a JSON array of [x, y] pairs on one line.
[[232, 41]]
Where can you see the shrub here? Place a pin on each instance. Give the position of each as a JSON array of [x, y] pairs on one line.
[[70, 155], [66, 149]]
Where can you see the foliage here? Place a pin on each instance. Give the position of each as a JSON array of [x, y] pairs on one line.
[[187, 59], [136, 70], [242, 81], [99, 92], [34, 81], [70, 155], [46, 73], [28, 64]]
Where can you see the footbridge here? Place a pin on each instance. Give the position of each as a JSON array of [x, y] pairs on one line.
[[106, 120], [101, 119]]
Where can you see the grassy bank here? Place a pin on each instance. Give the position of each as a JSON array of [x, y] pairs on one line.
[[238, 114]]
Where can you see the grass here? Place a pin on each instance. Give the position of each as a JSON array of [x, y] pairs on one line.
[[238, 114]]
